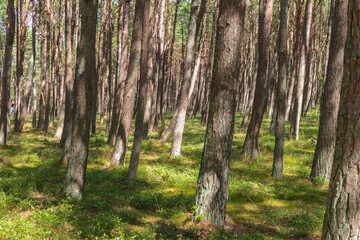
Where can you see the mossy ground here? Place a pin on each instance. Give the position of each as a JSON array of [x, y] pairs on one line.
[[158, 204]]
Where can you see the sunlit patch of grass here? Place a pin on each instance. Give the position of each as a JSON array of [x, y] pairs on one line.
[[159, 203]]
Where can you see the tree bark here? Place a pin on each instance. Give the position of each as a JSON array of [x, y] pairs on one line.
[[212, 187], [21, 104], [122, 137], [6, 76], [80, 132], [342, 216], [185, 86], [295, 122], [331, 96], [60, 74], [69, 82], [35, 27], [47, 66], [122, 73], [252, 135], [281, 94], [144, 84]]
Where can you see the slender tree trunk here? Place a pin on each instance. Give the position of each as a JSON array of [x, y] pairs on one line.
[[42, 92], [6, 76], [54, 59], [281, 94], [185, 86], [122, 73], [331, 97], [102, 61], [47, 66], [295, 122], [342, 216], [69, 82], [212, 187], [59, 68], [35, 26], [145, 81], [80, 132], [296, 52], [109, 65], [122, 137], [252, 135], [20, 66], [250, 104]]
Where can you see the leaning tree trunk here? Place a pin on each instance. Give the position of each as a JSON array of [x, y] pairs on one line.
[[281, 94], [185, 86], [252, 135], [295, 122], [6, 76], [80, 131], [212, 187], [122, 137], [145, 81], [342, 216], [331, 96]]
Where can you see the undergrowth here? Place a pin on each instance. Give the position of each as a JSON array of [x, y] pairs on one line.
[[159, 203]]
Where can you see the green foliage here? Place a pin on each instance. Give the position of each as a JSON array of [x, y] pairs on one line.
[[159, 203]]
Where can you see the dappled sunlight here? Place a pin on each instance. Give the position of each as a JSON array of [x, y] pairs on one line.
[[160, 201]]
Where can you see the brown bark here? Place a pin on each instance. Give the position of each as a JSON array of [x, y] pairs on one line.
[[69, 82], [20, 105], [123, 63], [109, 64], [342, 216], [185, 86], [330, 99], [122, 137], [281, 94], [212, 187], [295, 121], [60, 75], [80, 132], [252, 135], [35, 27], [47, 66], [145, 81], [6, 76]]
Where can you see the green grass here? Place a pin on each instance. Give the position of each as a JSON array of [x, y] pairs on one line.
[[159, 203]]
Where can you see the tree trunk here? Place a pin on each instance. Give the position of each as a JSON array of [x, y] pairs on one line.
[[212, 187], [252, 135], [145, 81], [281, 94], [342, 216], [80, 132], [6, 76], [185, 86], [122, 73], [109, 65], [35, 27], [47, 66], [122, 137], [20, 66], [295, 121], [331, 96], [59, 68], [69, 82]]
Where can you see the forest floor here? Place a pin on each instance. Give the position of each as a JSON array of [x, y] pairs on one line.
[[158, 205]]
